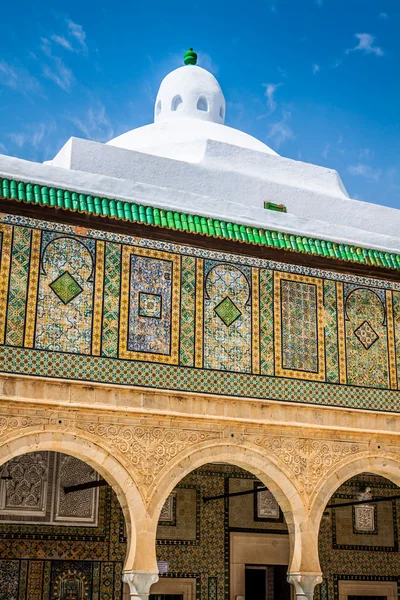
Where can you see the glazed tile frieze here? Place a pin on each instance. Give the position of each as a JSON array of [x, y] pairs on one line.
[[103, 307]]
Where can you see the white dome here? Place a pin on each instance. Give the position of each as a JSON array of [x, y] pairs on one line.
[[190, 92], [189, 110]]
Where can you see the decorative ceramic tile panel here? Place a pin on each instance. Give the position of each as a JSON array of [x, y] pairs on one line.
[[18, 286], [170, 316], [150, 306], [267, 322], [299, 334], [112, 283], [9, 579], [66, 287], [366, 338], [188, 295], [212, 588], [65, 295], [331, 332], [227, 317]]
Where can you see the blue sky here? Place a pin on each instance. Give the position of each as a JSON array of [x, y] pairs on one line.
[[317, 80]]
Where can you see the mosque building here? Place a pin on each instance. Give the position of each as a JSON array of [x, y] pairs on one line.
[[199, 369]]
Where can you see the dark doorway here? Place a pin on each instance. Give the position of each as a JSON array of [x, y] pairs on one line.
[[267, 582], [256, 583]]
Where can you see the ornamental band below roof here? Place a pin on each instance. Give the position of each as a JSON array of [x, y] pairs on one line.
[[129, 211]]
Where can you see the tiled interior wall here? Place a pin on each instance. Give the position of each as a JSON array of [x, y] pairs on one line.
[[42, 561]]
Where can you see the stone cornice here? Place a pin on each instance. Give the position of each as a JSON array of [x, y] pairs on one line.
[[132, 403]]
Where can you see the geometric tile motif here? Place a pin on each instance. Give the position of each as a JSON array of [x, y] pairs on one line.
[[227, 318], [227, 311], [149, 374], [66, 287], [366, 334], [396, 315], [107, 581], [9, 577], [299, 326], [188, 291], [367, 356], [18, 286], [35, 580], [267, 321], [67, 327], [150, 280], [331, 332], [65, 324], [112, 284], [212, 588], [150, 305]]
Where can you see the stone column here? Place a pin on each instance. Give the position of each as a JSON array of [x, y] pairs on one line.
[[139, 583], [304, 584]]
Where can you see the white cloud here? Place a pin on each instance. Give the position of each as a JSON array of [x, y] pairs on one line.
[[282, 72], [325, 150], [76, 31], [33, 136], [56, 70], [366, 45], [18, 78], [59, 73], [270, 89], [281, 131], [61, 41], [95, 125], [362, 170], [383, 15], [315, 68], [366, 153]]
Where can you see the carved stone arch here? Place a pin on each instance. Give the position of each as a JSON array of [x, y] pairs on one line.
[[378, 464], [104, 462], [265, 468]]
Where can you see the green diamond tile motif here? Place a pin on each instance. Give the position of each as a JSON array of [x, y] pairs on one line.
[[366, 335], [66, 287], [227, 311]]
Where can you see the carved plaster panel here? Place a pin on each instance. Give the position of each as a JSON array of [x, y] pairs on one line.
[[308, 459], [148, 449], [26, 491]]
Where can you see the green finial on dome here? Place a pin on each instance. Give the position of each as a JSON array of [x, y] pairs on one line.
[[190, 57]]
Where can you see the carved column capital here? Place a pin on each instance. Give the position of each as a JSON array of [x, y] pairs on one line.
[[304, 584], [139, 583]]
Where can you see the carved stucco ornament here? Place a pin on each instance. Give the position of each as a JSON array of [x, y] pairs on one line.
[[148, 449], [308, 460], [10, 425]]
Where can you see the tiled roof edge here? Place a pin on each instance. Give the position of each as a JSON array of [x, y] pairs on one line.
[[217, 228]]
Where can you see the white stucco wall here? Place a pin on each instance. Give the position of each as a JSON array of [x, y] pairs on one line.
[[229, 183]]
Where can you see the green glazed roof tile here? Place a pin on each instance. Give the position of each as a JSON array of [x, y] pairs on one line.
[[129, 211]]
